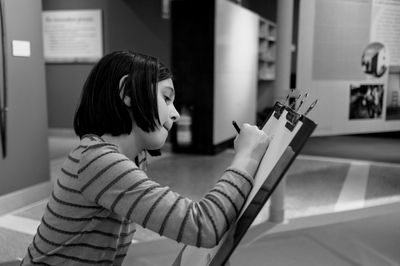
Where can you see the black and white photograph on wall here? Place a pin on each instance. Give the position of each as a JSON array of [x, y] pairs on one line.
[[366, 101]]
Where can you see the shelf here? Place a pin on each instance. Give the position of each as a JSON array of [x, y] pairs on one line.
[[266, 58], [267, 28], [266, 73], [267, 50]]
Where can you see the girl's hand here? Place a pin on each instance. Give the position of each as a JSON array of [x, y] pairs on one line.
[[250, 146], [251, 142]]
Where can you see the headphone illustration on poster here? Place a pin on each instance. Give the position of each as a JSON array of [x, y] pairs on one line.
[[374, 60]]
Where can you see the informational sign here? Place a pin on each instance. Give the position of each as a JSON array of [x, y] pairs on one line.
[[385, 27], [72, 36]]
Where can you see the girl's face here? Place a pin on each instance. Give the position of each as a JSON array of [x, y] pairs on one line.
[[167, 114]]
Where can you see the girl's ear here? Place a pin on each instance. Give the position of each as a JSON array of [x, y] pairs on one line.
[[125, 98]]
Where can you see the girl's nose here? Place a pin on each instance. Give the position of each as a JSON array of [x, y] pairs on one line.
[[174, 114]]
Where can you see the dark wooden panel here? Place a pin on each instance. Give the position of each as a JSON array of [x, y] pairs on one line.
[[193, 29]]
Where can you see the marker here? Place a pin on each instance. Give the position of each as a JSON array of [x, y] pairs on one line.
[[235, 125]]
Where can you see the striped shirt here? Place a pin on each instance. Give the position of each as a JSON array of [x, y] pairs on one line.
[[101, 196]]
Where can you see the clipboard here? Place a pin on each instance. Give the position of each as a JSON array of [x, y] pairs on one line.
[[289, 131]]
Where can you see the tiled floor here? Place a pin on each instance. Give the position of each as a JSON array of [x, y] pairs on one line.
[[338, 212], [372, 241]]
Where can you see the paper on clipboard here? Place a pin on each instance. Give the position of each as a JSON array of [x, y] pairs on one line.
[[275, 149]]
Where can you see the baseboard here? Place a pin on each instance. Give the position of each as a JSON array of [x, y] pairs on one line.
[[23, 197]]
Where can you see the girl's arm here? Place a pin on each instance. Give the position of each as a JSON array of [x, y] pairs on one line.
[[114, 182]]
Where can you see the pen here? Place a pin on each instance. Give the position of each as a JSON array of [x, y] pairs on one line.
[[302, 101], [311, 107], [293, 104], [235, 125], [287, 98]]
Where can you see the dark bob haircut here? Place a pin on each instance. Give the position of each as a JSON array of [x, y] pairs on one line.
[[101, 109]]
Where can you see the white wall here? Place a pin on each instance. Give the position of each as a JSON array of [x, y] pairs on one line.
[[27, 161], [236, 53]]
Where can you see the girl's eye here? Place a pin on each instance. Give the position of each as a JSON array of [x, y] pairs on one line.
[[167, 99]]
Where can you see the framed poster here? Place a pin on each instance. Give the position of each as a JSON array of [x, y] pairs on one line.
[[348, 57], [72, 36]]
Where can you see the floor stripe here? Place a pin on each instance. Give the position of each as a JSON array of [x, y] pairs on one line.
[[29, 206], [19, 224], [352, 195], [346, 160], [22, 197]]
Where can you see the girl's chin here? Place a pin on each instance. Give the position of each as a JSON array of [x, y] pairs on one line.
[[155, 140], [155, 145]]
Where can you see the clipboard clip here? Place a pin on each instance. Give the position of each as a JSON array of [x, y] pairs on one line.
[[292, 118], [278, 109]]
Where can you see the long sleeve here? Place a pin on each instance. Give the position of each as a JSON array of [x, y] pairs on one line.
[[108, 178]]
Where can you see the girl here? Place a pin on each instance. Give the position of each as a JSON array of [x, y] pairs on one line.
[[126, 107]]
